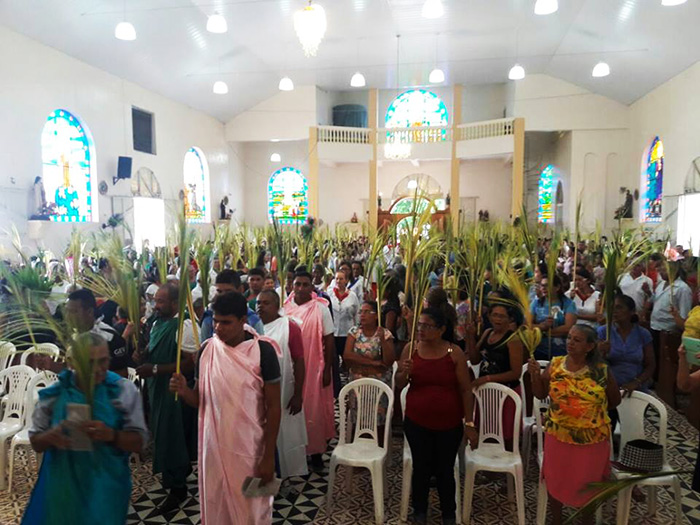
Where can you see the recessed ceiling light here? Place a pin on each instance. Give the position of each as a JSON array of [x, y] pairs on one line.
[[601, 69], [220, 87], [286, 84], [216, 23], [517, 72], [546, 7], [432, 9], [274, 140], [125, 31], [436, 76], [670, 3], [275, 157], [358, 80]]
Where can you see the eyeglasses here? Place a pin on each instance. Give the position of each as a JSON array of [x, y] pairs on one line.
[[426, 326]]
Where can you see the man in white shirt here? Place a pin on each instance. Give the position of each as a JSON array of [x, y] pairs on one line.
[[637, 285]]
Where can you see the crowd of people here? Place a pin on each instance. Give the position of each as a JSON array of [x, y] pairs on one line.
[[245, 386]]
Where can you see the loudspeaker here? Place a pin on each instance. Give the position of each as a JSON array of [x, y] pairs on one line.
[[123, 169]]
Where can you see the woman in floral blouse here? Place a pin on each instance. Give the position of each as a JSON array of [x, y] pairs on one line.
[[581, 389], [369, 352]]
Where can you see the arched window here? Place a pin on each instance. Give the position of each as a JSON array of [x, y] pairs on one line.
[[287, 196], [545, 206], [408, 205], [415, 108], [67, 153], [652, 182], [196, 174]]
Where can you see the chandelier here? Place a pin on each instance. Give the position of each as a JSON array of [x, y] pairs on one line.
[[395, 148], [310, 26]]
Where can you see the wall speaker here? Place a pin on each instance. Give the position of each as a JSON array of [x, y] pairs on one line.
[[123, 169]]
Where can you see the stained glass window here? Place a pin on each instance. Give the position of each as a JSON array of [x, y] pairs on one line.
[[287, 196], [418, 108], [545, 208], [653, 183], [67, 171], [196, 174], [406, 206]]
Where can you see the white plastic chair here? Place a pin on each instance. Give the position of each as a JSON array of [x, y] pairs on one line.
[[7, 354], [49, 349], [632, 416], [17, 379], [363, 451], [408, 474], [528, 421], [494, 457], [21, 439]]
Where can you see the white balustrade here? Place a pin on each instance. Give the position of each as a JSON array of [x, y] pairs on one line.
[[415, 135], [343, 135], [487, 129]]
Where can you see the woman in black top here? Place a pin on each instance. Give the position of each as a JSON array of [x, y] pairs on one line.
[[500, 356]]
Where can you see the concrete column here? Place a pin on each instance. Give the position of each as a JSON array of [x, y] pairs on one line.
[[373, 191], [312, 176], [454, 170], [518, 167]]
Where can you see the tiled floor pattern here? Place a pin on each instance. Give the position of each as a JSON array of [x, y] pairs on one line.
[[304, 498]]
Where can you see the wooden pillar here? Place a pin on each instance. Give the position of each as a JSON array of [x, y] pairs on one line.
[[373, 191], [518, 167], [454, 171], [312, 176]]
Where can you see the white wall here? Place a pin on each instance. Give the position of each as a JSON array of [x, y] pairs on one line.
[[484, 102], [490, 180], [550, 104], [672, 111], [342, 189], [37, 79]]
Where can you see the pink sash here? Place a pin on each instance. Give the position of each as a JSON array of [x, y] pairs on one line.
[[318, 400], [231, 418]]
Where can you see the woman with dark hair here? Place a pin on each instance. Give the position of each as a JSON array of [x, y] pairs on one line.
[[437, 298], [555, 319], [369, 352], [585, 298], [500, 357], [629, 351], [391, 304], [439, 408], [577, 428]]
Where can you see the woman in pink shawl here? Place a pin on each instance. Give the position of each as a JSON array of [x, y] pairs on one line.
[[237, 391], [317, 328]]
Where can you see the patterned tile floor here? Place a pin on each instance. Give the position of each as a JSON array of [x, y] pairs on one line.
[[303, 501]]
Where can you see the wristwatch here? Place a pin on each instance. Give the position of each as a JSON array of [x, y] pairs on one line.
[[155, 370]]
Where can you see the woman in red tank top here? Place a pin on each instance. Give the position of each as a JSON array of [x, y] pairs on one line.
[[439, 408]]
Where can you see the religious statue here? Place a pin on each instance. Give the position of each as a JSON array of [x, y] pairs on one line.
[[625, 211], [41, 210], [66, 196], [223, 214], [354, 218]]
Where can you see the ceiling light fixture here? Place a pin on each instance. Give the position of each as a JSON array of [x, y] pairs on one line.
[[671, 3], [220, 87], [432, 9], [517, 72], [216, 23], [358, 80], [275, 157], [125, 31], [310, 25], [546, 7], [601, 69], [437, 76], [286, 84], [412, 184]]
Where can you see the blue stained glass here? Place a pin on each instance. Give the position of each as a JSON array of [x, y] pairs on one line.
[[67, 171], [417, 108], [287, 196], [545, 206], [196, 172], [653, 183]]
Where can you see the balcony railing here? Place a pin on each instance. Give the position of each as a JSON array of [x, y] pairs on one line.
[[417, 135], [343, 135], [484, 130]]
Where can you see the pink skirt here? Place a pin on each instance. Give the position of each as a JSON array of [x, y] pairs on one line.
[[568, 469]]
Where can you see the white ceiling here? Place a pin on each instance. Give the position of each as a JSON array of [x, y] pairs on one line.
[[644, 43]]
